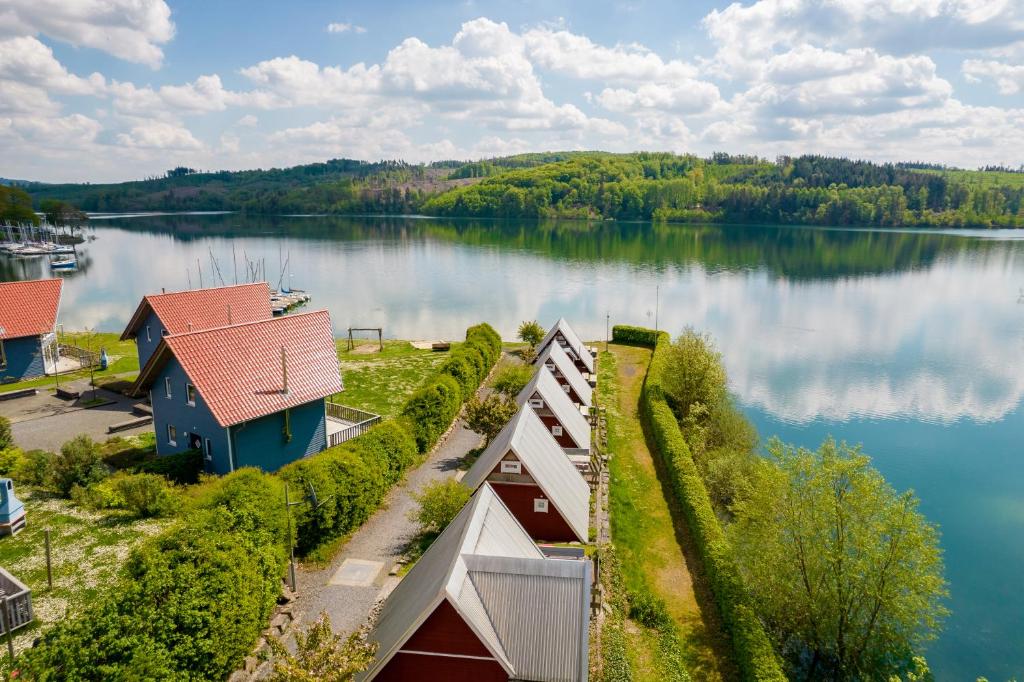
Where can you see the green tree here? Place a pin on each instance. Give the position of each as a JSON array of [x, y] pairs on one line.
[[693, 373], [439, 503], [16, 206], [79, 463], [844, 570], [531, 332], [60, 212], [489, 416], [321, 655], [512, 379], [6, 438]]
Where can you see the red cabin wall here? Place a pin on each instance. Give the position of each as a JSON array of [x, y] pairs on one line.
[[549, 526], [443, 632], [565, 440]]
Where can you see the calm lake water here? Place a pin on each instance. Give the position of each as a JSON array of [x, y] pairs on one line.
[[911, 343]]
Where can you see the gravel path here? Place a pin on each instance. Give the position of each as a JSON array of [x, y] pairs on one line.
[[348, 591]]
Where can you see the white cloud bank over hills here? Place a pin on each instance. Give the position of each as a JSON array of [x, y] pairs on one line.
[[859, 78]]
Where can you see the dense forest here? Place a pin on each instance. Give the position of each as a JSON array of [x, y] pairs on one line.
[[814, 190]]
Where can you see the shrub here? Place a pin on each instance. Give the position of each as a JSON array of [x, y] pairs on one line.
[[321, 656], [432, 410], [392, 446], [513, 379], [489, 416], [459, 367], [146, 495], [531, 332], [439, 503], [634, 336], [753, 651], [181, 467], [6, 438], [10, 458], [78, 463], [648, 609], [33, 468]]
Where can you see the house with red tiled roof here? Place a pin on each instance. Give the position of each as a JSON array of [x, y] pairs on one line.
[[178, 312], [245, 394], [28, 321]]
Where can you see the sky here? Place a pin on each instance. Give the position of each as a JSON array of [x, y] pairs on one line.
[[110, 90]]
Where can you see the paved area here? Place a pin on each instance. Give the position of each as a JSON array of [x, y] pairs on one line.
[[46, 422]]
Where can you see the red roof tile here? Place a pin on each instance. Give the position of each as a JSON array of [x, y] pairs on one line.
[[29, 308], [183, 311], [237, 369]]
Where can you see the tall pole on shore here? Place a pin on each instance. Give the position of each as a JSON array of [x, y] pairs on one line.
[[657, 300]]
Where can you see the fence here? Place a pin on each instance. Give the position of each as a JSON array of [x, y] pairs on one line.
[[360, 422], [19, 600], [85, 358]]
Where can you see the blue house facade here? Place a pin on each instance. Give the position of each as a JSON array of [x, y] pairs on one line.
[[148, 337], [28, 319], [21, 358]]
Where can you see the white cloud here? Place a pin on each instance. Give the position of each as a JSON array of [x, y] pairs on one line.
[[577, 56], [129, 29], [1009, 78], [159, 135], [248, 121], [344, 27]]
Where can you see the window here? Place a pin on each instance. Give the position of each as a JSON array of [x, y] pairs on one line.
[[167, 387], [149, 336], [536, 403], [172, 435], [164, 333], [190, 394], [556, 430], [209, 450], [3, 356], [565, 387], [511, 467], [540, 506]]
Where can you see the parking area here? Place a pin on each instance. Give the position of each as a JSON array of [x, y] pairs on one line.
[[46, 422]]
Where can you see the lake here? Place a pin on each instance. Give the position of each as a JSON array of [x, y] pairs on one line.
[[909, 342]]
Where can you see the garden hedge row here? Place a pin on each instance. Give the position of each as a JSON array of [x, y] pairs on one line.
[[634, 336], [193, 600], [755, 656]]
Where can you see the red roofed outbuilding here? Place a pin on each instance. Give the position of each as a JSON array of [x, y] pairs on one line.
[[28, 320], [249, 394]]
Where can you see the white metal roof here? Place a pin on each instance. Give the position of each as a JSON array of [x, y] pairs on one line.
[[530, 441], [567, 368], [573, 339], [466, 566], [547, 387]]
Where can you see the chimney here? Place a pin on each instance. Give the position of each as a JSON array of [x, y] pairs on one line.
[[284, 370], [163, 290], [229, 314]]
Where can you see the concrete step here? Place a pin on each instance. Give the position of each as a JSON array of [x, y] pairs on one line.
[[23, 393], [68, 394], [142, 409], [130, 424]]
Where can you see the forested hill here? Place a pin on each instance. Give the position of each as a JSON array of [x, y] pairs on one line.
[[592, 185]]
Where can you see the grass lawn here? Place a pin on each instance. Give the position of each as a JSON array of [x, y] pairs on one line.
[[644, 531], [381, 381], [122, 355], [88, 549]]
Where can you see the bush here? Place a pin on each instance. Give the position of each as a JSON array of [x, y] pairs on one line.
[[432, 410], [6, 438], [459, 367], [530, 332], [634, 336], [146, 495], [194, 599], [10, 458], [648, 609], [439, 503], [391, 445], [513, 379], [182, 467], [490, 415], [33, 468], [753, 651], [78, 463]]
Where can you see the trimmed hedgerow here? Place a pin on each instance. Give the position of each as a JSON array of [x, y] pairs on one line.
[[755, 656], [193, 599], [634, 336], [432, 409], [180, 467]]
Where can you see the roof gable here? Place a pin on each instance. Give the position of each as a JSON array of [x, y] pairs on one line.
[[29, 308], [198, 309], [572, 339], [238, 369], [567, 368], [547, 387], [527, 437]]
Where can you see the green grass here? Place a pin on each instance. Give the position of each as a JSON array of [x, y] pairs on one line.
[[88, 550], [381, 381], [644, 532], [123, 357]]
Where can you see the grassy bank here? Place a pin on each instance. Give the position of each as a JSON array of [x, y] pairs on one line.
[[646, 537], [122, 355], [381, 381]]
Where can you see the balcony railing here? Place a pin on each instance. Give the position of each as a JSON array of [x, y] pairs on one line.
[[359, 422]]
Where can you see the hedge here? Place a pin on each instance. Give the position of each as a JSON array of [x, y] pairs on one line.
[[432, 409], [181, 467], [193, 600], [754, 654], [634, 336]]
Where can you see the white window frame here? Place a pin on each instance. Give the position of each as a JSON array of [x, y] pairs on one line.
[[172, 440], [556, 430], [190, 400], [511, 467], [540, 505], [537, 403], [149, 335], [168, 393], [208, 449], [3, 355]]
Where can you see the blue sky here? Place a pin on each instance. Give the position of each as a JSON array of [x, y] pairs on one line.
[[123, 89]]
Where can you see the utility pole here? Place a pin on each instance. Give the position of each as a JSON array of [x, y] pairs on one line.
[[607, 323], [291, 543], [657, 300]]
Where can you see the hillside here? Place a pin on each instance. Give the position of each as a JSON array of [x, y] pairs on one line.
[[589, 185]]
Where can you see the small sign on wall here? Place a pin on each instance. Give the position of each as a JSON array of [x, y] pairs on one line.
[[540, 506], [508, 467], [536, 403], [556, 430]]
